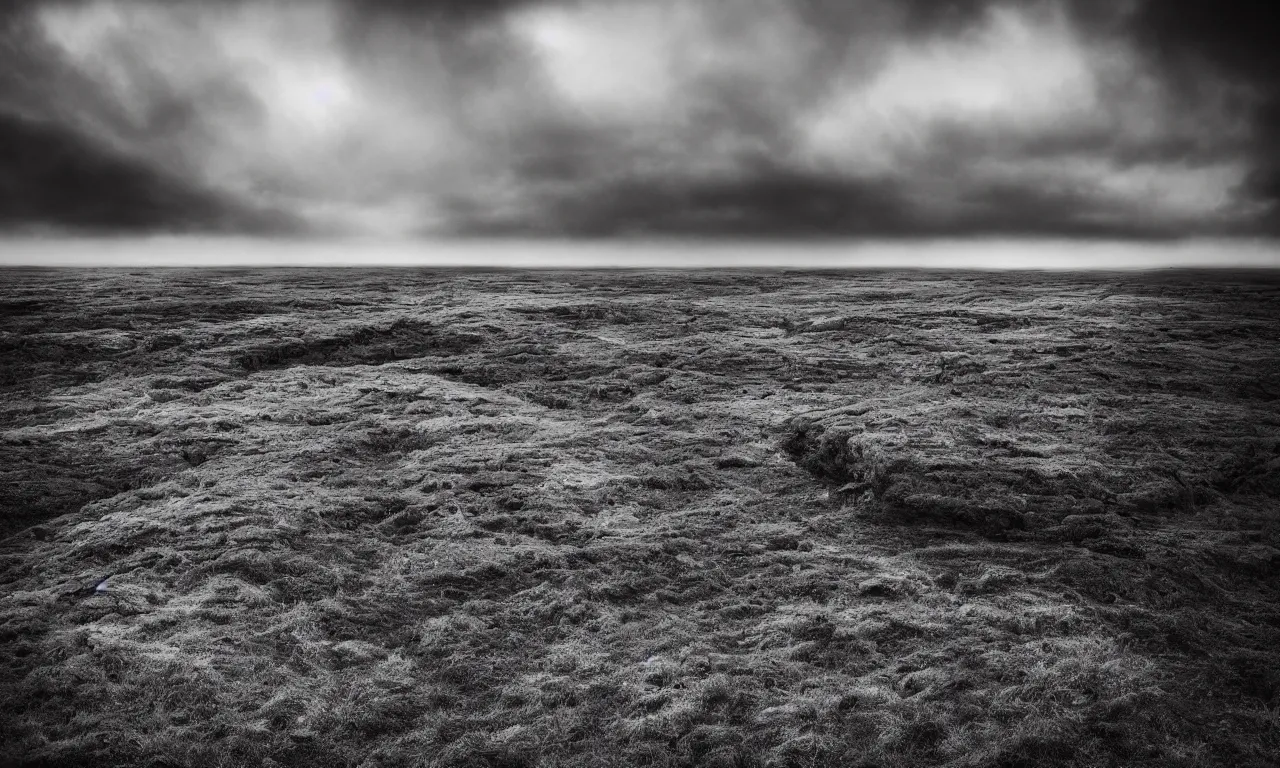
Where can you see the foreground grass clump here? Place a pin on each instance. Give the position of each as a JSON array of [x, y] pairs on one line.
[[467, 519]]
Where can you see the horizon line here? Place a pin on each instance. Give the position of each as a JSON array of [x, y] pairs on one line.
[[981, 254]]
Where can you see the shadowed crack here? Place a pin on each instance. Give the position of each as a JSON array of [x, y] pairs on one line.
[[402, 340]]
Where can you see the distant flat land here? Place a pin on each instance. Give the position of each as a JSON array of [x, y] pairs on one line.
[[463, 518]]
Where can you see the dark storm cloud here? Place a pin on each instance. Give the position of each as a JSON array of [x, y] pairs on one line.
[[1238, 39], [811, 207], [756, 117], [51, 179], [1237, 35]]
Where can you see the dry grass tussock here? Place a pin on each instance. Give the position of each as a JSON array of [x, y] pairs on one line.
[[757, 519]]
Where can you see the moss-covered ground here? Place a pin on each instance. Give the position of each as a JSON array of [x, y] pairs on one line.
[[417, 518]]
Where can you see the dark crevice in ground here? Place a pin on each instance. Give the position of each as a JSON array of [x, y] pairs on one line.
[[401, 340]]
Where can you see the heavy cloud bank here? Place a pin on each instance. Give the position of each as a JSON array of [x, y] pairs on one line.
[[702, 117]]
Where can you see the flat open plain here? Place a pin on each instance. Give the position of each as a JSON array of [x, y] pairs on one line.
[[462, 518]]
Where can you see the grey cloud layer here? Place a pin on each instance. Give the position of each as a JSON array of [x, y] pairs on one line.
[[691, 116]]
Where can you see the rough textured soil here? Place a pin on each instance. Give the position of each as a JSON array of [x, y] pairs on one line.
[[718, 519]]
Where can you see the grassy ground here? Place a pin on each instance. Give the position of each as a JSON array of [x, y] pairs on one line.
[[568, 519]]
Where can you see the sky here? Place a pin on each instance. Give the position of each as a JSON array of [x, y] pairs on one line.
[[764, 120]]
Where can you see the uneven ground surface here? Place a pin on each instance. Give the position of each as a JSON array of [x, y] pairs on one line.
[[358, 518]]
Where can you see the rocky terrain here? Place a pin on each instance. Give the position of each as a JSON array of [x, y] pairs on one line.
[[453, 518]]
